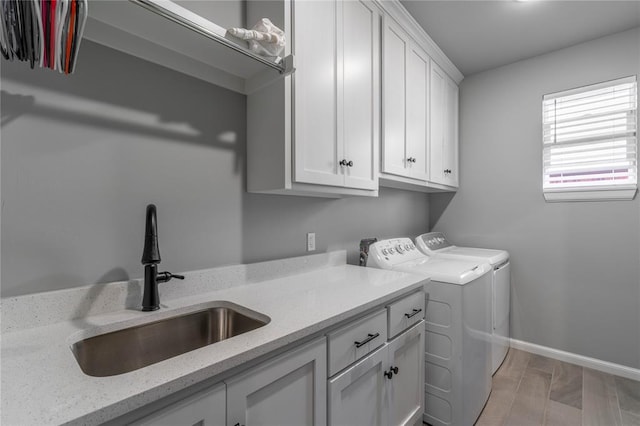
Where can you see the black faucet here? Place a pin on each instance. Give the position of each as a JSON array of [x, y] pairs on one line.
[[150, 260]]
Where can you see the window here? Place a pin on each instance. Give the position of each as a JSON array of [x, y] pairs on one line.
[[589, 142]]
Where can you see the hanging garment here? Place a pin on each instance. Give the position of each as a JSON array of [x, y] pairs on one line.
[[46, 33]]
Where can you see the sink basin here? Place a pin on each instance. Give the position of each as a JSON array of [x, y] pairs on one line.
[[135, 347]]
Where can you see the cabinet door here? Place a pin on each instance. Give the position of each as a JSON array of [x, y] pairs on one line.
[[443, 146], [393, 113], [417, 116], [316, 149], [207, 408], [358, 102], [289, 390], [406, 388], [437, 124], [357, 396], [451, 133]]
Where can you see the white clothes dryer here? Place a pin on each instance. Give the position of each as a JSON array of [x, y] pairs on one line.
[[435, 244], [458, 329]]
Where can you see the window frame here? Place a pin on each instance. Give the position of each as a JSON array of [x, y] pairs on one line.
[[590, 192]]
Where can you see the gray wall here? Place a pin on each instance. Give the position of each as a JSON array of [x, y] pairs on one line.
[[82, 155], [575, 270]]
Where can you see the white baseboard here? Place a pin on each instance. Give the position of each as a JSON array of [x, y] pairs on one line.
[[583, 361]]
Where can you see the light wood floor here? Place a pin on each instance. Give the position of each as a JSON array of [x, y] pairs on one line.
[[530, 389]]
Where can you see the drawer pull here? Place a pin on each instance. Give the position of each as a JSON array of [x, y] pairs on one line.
[[369, 338], [415, 312]]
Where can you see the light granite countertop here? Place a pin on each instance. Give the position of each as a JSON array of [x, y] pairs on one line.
[[43, 384]]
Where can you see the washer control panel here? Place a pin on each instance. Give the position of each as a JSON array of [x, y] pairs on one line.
[[387, 253], [433, 241]]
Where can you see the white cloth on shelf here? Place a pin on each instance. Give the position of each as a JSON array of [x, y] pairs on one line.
[[264, 38]]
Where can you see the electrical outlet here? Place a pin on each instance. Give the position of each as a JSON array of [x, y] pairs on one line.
[[311, 241]]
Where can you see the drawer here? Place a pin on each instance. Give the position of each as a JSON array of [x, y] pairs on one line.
[[355, 340], [406, 312]]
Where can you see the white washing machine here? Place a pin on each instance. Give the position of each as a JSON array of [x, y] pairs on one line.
[[435, 244], [458, 329]]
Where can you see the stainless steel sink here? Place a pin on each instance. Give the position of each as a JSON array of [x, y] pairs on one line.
[[135, 347]]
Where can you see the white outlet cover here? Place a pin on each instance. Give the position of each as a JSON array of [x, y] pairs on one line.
[[311, 241]]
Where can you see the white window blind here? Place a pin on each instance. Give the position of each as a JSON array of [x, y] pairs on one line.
[[590, 141]]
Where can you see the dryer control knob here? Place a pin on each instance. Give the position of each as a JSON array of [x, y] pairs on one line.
[[399, 249]]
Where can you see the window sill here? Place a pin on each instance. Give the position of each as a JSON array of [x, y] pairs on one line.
[[623, 194]]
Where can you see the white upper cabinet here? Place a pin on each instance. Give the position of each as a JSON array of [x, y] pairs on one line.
[[444, 129], [419, 147], [360, 99], [405, 105], [316, 132]]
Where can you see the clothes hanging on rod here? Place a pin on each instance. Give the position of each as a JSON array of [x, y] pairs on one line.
[[46, 33]]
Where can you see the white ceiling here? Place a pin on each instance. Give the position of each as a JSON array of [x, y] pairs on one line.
[[480, 35]]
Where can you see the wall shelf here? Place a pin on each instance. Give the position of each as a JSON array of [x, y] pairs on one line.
[[170, 35]]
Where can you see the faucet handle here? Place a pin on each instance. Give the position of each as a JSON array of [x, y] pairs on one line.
[[165, 276]]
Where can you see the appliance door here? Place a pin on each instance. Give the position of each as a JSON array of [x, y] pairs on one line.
[[501, 304]]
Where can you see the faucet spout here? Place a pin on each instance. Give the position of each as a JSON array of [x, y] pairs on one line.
[[151, 253]]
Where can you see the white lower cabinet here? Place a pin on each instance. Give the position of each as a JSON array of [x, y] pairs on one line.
[[289, 390], [406, 387], [372, 380], [207, 408], [384, 388]]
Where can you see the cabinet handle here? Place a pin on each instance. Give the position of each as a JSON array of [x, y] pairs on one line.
[[394, 369], [238, 424], [343, 162], [369, 338], [447, 170], [350, 164], [411, 160], [415, 312]]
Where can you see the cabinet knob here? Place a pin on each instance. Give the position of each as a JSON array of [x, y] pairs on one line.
[[388, 374], [411, 160], [343, 162], [394, 369], [350, 164]]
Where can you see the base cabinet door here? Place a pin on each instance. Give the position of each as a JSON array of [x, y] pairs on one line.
[[406, 388], [289, 390], [357, 396], [385, 388], [207, 408]]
